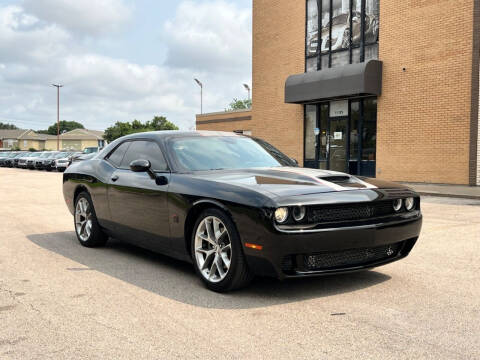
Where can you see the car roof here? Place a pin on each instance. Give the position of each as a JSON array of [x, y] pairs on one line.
[[167, 134]]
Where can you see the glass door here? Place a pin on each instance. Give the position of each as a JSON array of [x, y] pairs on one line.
[[337, 144]]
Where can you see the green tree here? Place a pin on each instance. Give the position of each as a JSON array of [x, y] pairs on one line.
[[64, 126], [159, 123], [237, 104], [118, 130], [124, 128], [5, 126]]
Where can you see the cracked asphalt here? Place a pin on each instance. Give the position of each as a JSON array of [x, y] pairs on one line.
[[59, 300]]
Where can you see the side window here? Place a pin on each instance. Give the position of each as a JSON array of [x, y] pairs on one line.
[[117, 156], [145, 150]]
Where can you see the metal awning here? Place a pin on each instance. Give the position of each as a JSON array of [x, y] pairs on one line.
[[339, 82]]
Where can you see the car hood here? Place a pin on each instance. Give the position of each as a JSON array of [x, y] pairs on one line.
[[291, 181]]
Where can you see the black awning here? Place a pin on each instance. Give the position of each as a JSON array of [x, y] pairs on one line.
[[339, 82]]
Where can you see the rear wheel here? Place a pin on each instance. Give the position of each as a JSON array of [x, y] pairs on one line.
[[217, 253], [89, 232]]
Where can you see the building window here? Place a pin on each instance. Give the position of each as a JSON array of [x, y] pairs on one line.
[[349, 31]]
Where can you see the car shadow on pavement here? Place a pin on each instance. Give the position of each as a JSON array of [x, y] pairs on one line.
[[177, 280]]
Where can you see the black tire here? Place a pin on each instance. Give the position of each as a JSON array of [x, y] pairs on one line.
[[97, 237], [239, 275]]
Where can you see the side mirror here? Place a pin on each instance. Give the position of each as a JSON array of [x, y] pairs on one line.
[[140, 165]]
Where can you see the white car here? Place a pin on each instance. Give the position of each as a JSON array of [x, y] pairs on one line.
[[22, 162], [62, 163]]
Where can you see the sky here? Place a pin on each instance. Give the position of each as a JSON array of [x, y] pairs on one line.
[[121, 60]]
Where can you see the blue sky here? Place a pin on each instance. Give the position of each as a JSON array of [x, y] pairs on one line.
[[121, 59]]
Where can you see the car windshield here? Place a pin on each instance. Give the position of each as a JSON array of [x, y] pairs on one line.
[[90, 150], [224, 152], [45, 155]]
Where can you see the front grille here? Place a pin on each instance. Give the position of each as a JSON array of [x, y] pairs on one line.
[[350, 258], [348, 212]]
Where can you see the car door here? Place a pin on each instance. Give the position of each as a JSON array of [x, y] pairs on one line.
[[138, 203]]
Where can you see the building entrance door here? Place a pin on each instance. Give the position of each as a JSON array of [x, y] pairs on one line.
[[337, 144]]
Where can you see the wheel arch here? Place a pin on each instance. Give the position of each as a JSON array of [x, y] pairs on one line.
[[192, 215], [79, 189]]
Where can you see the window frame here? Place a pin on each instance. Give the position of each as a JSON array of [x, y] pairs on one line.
[[351, 46], [106, 157]]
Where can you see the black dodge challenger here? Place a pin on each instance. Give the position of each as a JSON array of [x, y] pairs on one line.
[[236, 207]]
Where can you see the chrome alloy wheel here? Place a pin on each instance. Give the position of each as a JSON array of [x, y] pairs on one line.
[[213, 249], [83, 219]]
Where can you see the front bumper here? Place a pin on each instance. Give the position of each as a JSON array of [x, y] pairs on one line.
[[285, 255]]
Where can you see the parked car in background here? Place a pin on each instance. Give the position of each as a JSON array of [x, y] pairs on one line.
[[22, 161], [40, 161], [13, 162], [90, 150], [84, 154], [30, 163], [51, 163], [4, 156], [10, 162], [62, 163], [236, 207]]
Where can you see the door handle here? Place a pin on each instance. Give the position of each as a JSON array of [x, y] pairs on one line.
[[114, 178]]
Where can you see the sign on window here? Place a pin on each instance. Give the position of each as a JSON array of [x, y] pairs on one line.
[[339, 108]]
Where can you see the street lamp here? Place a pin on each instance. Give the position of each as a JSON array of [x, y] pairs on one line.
[[58, 86], [201, 94], [248, 89]]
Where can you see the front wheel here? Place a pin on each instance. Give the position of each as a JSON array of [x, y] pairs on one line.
[[217, 252], [89, 233]]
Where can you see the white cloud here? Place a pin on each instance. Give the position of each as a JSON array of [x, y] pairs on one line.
[[99, 89], [211, 36], [90, 17], [23, 38]]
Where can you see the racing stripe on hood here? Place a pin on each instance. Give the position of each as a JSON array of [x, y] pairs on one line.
[[313, 175]]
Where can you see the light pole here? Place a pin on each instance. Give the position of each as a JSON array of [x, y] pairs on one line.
[[201, 94], [248, 89], [58, 86]]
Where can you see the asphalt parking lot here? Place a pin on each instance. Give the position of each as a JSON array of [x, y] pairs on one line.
[[59, 300]]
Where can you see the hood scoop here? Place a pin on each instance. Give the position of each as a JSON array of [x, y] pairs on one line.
[[344, 181]]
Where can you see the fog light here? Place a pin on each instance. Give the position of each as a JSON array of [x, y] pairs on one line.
[[281, 215], [299, 213], [397, 204], [409, 203]]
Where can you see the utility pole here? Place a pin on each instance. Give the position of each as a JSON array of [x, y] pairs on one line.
[[201, 94], [248, 89], [58, 86]]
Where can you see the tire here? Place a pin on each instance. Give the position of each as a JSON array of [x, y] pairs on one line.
[[228, 247], [88, 231]]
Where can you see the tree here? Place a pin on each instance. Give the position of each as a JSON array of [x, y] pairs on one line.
[[124, 128], [5, 126], [240, 105], [64, 126], [159, 123]]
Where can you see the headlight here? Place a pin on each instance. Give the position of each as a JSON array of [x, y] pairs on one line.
[[281, 215], [299, 213], [409, 203], [397, 204]]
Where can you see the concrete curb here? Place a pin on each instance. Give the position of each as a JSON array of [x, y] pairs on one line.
[[458, 196]]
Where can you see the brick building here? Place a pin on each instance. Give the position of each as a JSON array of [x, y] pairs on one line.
[[370, 87]]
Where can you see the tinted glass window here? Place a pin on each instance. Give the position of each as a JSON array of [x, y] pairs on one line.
[[214, 153], [117, 156], [145, 150]]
